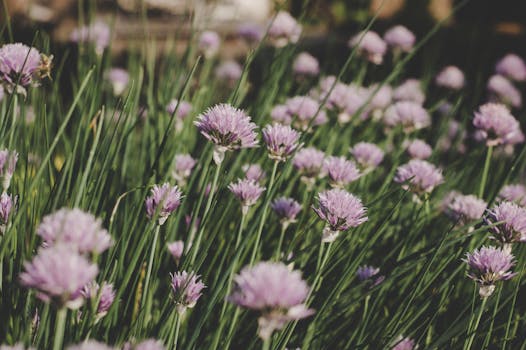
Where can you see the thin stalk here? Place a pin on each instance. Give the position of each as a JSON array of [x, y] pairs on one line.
[[205, 213], [13, 123], [280, 243], [60, 328], [266, 344], [177, 327], [265, 211], [469, 341], [147, 293], [485, 172]]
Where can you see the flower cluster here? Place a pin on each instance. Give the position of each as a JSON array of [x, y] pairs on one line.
[[164, 200]]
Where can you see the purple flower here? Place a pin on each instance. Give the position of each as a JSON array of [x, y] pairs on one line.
[[512, 223], [149, 344], [281, 141], [353, 102], [381, 99], [164, 200], [275, 291], [280, 114], [340, 210], [341, 171], [402, 343], [6, 209], [419, 149], [368, 155], [369, 44], [450, 77], [502, 90], [209, 43], [228, 128], [335, 96], [409, 115], [465, 208], [369, 274], [176, 249], [513, 193], [284, 30], [229, 71], [420, 175], [410, 90], [305, 64], [251, 32], [496, 124], [59, 273], [304, 112], [182, 168], [104, 295], [98, 33], [512, 67], [119, 79], [19, 67], [254, 172], [400, 38], [309, 162], [247, 191], [186, 290], [487, 266], [78, 229], [90, 345], [183, 108], [8, 160], [286, 209]]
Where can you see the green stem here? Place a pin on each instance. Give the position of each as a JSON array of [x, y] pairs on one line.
[[205, 213], [485, 172], [13, 123], [266, 344], [240, 231], [60, 328], [177, 327], [146, 292], [469, 341], [265, 211], [280, 243]]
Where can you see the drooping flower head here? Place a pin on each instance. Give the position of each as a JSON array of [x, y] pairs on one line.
[[341, 171], [309, 162], [340, 210], [400, 38], [186, 289], [104, 295], [305, 112], [228, 128], [487, 266], [496, 124], [370, 45], [465, 208], [370, 274], [306, 65], [229, 71], [284, 30], [513, 193], [97, 33], [281, 141], [7, 204], [409, 115], [163, 201], [418, 176], [512, 226], [409, 90], [419, 149], [76, 228], [512, 67], [182, 168], [58, 274], [275, 291], [8, 160], [502, 90], [209, 43], [90, 345], [176, 250], [119, 79], [247, 191], [451, 77], [286, 209], [254, 172], [367, 155], [19, 67]]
